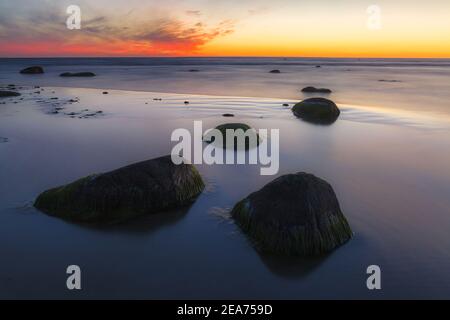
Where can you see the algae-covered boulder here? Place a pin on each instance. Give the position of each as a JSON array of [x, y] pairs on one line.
[[317, 110], [244, 137], [6, 94], [143, 188], [295, 214], [33, 70], [77, 74]]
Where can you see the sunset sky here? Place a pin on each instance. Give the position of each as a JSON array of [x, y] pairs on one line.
[[303, 28]]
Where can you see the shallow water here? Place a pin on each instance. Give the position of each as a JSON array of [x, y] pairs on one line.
[[420, 85], [390, 171]]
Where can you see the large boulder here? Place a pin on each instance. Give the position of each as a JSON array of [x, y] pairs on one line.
[[242, 132], [33, 70], [317, 110], [6, 94], [296, 214], [143, 188], [77, 74]]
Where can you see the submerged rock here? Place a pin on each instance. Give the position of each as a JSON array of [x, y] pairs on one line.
[[316, 90], [241, 131], [33, 70], [143, 188], [5, 94], [275, 71], [317, 110], [295, 214], [77, 74]]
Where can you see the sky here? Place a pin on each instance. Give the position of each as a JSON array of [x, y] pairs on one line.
[[286, 28]]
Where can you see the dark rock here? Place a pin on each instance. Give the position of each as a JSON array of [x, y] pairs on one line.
[[316, 90], [285, 105], [318, 66], [105, 92], [194, 70], [186, 102], [275, 71], [241, 128], [33, 70], [3, 140], [146, 187], [77, 74], [393, 81], [228, 115], [317, 110], [295, 214], [5, 94]]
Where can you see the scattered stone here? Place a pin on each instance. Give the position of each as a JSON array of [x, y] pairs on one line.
[[54, 98], [186, 102], [285, 105], [275, 71], [389, 80], [295, 214], [157, 99], [5, 94], [316, 90], [146, 187], [228, 115], [317, 110], [77, 74], [105, 92], [33, 70]]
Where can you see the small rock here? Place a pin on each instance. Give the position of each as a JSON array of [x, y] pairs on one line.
[[316, 90], [275, 71], [77, 74], [5, 94], [105, 92], [186, 102], [33, 70], [317, 110], [228, 115], [240, 129]]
